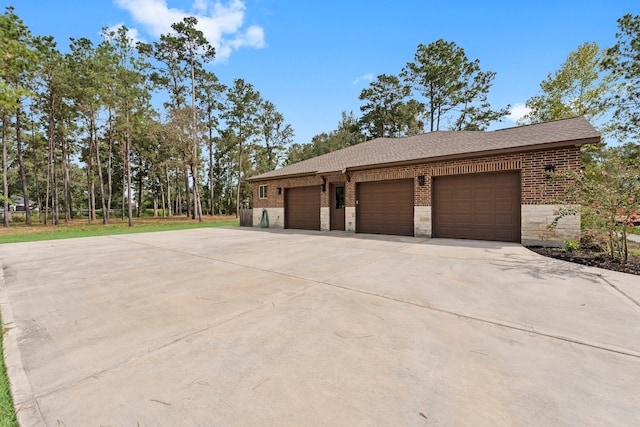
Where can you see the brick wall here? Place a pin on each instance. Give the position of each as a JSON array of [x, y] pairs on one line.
[[536, 188], [276, 200]]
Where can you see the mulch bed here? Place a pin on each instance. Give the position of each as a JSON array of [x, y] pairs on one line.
[[592, 259]]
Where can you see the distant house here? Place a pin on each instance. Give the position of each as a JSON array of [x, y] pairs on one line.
[[468, 185], [17, 205]]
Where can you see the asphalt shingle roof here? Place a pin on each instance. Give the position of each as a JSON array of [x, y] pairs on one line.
[[434, 145]]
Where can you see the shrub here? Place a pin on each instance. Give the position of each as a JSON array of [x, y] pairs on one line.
[[571, 245], [609, 195]]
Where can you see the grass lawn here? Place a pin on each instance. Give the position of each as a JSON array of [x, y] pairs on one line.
[[19, 232], [7, 413]]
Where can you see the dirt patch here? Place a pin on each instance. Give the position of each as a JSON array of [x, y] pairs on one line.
[[593, 259]]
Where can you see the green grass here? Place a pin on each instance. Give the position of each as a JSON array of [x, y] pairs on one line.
[[7, 412], [85, 230]]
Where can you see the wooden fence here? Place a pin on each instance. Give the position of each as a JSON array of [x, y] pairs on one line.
[[246, 217]]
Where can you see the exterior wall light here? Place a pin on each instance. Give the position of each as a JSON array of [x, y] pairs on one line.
[[323, 187], [279, 190], [421, 180], [549, 170]]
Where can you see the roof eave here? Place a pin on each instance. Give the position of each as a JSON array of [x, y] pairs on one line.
[[466, 155], [483, 153], [273, 178]]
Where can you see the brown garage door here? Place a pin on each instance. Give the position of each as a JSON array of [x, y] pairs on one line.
[[477, 206], [302, 208], [385, 207]]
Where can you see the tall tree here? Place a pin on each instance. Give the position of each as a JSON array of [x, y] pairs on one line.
[[56, 114], [193, 49], [578, 88], [18, 63], [241, 114], [453, 86], [346, 134], [89, 73], [210, 95], [623, 60], [275, 134], [130, 103], [168, 73], [188, 46], [385, 112]]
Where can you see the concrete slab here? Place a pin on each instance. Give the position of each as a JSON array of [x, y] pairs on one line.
[[244, 327]]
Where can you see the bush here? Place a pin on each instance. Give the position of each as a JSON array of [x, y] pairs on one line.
[[571, 245], [609, 195]]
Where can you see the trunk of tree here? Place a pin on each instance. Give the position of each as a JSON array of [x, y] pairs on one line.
[[36, 169], [5, 182], [187, 195], [239, 177], [229, 193], [48, 191], [109, 171], [55, 204], [211, 190], [23, 174], [124, 185], [178, 209], [163, 200], [197, 207], [92, 209], [50, 161], [168, 191], [110, 178], [155, 202], [90, 204], [128, 162], [195, 156], [94, 137], [139, 195], [68, 200]]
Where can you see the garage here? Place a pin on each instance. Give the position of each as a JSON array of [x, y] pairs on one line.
[[385, 207], [302, 208], [477, 206]]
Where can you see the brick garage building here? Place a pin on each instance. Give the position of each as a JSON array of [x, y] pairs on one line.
[[471, 185]]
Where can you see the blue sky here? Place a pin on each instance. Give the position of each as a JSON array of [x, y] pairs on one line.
[[312, 58]]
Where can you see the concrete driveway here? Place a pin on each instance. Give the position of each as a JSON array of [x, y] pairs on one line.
[[216, 327]]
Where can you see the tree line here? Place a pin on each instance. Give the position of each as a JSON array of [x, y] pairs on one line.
[[81, 134]]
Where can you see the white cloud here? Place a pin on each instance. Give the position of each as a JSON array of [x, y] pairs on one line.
[[518, 111], [200, 7], [367, 77], [220, 23], [132, 33]]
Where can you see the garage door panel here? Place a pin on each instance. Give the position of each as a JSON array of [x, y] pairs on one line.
[[462, 217], [506, 206], [302, 208], [504, 193], [505, 219], [385, 207], [484, 206]]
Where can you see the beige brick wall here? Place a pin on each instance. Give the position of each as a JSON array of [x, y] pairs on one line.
[[536, 220], [324, 219], [350, 218], [422, 221], [276, 217]]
